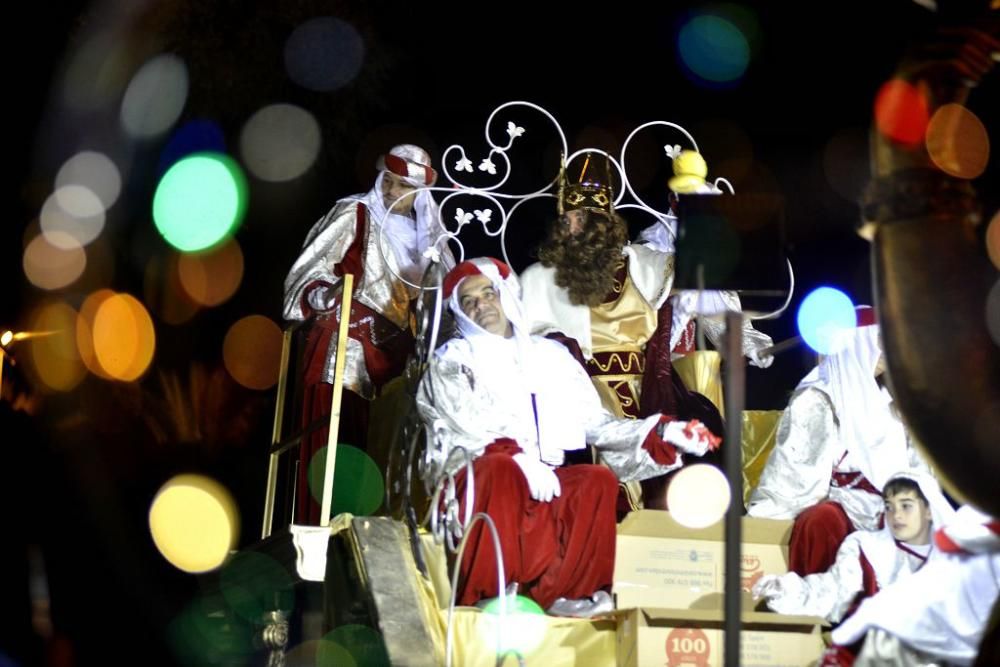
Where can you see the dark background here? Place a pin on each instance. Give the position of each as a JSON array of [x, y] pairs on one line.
[[78, 478]]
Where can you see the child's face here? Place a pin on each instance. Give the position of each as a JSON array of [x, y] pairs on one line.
[[909, 517]]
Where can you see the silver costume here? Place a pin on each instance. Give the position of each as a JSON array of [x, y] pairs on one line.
[[325, 246], [710, 307], [808, 450]]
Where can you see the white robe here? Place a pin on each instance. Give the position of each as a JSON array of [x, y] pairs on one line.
[[942, 610]]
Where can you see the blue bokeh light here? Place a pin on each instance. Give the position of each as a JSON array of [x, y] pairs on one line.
[[713, 50], [823, 313]]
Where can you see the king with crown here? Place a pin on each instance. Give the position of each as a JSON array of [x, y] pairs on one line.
[[608, 301]]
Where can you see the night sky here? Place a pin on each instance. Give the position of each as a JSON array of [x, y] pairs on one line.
[[78, 479]]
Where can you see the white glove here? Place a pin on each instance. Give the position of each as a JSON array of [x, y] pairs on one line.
[[784, 593], [769, 586], [758, 360], [322, 298], [542, 481], [691, 437]]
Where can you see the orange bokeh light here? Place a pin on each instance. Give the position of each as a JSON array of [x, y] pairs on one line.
[[51, 266], [210, 278], [993, 240], [164, 292], [252, 352], [123, 336], [958, 142], [54, 357], [85, 331]]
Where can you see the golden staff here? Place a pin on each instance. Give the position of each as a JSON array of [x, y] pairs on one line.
[[338, 386]]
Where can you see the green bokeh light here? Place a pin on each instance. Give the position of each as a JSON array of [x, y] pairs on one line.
[[358, 486], [520, 631], [518, 604], [206, 634], [363, 644], [254, 584], [200, 201]]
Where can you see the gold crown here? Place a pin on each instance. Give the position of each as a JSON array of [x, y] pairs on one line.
[[588, 192]]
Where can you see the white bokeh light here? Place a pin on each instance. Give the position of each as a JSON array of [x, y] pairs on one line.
[[94, 171], [280, 142], [698, 496], [155, 96], [72, 216]]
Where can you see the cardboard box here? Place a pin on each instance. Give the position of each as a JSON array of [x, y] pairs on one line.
[[662, 564], [695, 638]]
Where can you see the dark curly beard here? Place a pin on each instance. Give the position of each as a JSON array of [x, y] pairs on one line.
[[585, 263]]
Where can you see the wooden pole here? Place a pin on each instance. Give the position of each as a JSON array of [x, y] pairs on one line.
[[338, 388]]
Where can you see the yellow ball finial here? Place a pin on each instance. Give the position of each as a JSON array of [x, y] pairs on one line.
[[690, 171]]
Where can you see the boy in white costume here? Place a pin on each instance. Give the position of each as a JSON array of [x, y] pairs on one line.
[[939, 615], [868, 560]]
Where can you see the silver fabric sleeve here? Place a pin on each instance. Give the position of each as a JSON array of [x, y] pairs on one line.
[[828, 594], [797, 474]]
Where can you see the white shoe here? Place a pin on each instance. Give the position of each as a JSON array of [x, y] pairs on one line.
[[597, 604]]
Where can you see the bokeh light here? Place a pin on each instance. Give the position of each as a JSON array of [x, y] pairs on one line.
[[364, 644], [55, 357], [901, 112], [254, 584], [123, 337], [194, 522], [164, 293], [822, 316], [716, 243], [85, 331], [195, 136], [280, 142], [200, 201], [320, 653], [93, 171], [51, 266], [957, 141], [522, 629], [358, 486], [211, 277], [251, 352], [324, 54], [155, 96], [698, 496], [72, 215], [204, 634], [713, 49], [993, 312], [993, 240]]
